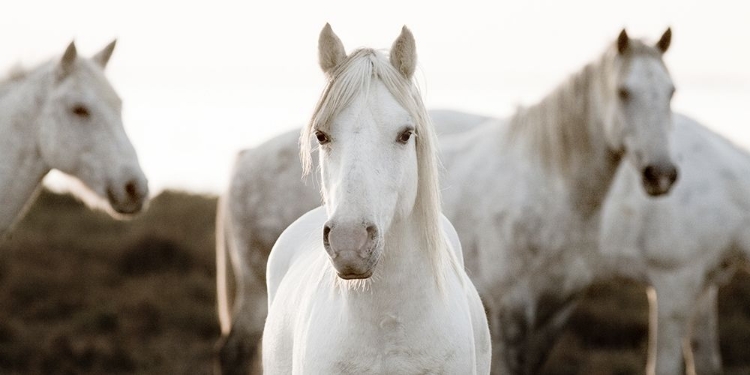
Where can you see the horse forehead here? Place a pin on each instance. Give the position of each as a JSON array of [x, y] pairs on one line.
[[89, 77], [647, 72], [373, 109]]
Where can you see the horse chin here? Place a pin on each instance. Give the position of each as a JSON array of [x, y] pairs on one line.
[[657, 190], [353, 276], [354, 271], [126, 207]]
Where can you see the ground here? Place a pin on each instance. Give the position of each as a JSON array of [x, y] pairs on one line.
[[81, 293]]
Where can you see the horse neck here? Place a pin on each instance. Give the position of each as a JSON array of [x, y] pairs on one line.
[[571, 142], [22, 167]]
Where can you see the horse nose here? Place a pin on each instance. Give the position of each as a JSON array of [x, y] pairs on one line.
[[130, 196], [351, 246], [345, 237], [659, 178]]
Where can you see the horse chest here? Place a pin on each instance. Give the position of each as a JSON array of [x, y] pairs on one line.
[[391, 343]]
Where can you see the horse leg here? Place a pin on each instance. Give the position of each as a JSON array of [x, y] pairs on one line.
[[703, 348], [653, 320], [674, 305], [239, 350]]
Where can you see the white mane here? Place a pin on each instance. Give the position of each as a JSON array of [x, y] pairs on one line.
[[563, 129], [354, 76], [558, 126]]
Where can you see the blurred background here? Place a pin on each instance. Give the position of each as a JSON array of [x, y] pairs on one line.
[[201, 80], [81, 293]]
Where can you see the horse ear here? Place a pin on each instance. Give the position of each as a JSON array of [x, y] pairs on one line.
[[103, 56], [622, 42], [330, 50], [665, 40], [68, 60], [404, 53]]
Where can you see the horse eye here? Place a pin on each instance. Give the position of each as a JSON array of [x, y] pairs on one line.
[[322, 137], [405, 136], [623, 93], [80, 110]]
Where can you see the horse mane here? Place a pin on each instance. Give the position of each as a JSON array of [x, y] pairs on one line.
[[561, 127], [353, 76], [16, 73], [558, 126]]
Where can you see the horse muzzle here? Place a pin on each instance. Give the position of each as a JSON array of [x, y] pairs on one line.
[[351, 249], [128, 198], [659, 178]]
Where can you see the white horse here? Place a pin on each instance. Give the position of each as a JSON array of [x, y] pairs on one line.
[[371, 283], [525, 195], [251, 216], [65, 115], [537, 183], [684, 244]]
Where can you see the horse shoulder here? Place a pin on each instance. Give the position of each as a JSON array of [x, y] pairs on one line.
[[477, 313]]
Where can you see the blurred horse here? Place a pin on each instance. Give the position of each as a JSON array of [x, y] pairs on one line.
[[524, 194], [65, 115], [683, 245], [371, 282]]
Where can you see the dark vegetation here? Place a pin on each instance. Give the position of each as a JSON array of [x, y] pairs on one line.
[[81, 293]]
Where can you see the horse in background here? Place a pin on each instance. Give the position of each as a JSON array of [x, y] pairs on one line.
[[372, 281], [525, 195], [65, 115], [683, 245], [537, 183]]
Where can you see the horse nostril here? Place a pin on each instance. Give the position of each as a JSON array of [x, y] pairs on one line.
[[649, 173], [326, 232], [131, 188], [372, 232]]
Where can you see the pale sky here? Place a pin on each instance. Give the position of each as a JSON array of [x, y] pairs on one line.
[[202, 80]]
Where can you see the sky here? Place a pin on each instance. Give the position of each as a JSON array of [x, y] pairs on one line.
[[202, 80]]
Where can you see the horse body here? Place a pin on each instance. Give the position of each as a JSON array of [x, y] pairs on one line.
[[537, 183], [380, 327], [684, 244], [371, 282], [64, 115], [528, 248]]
